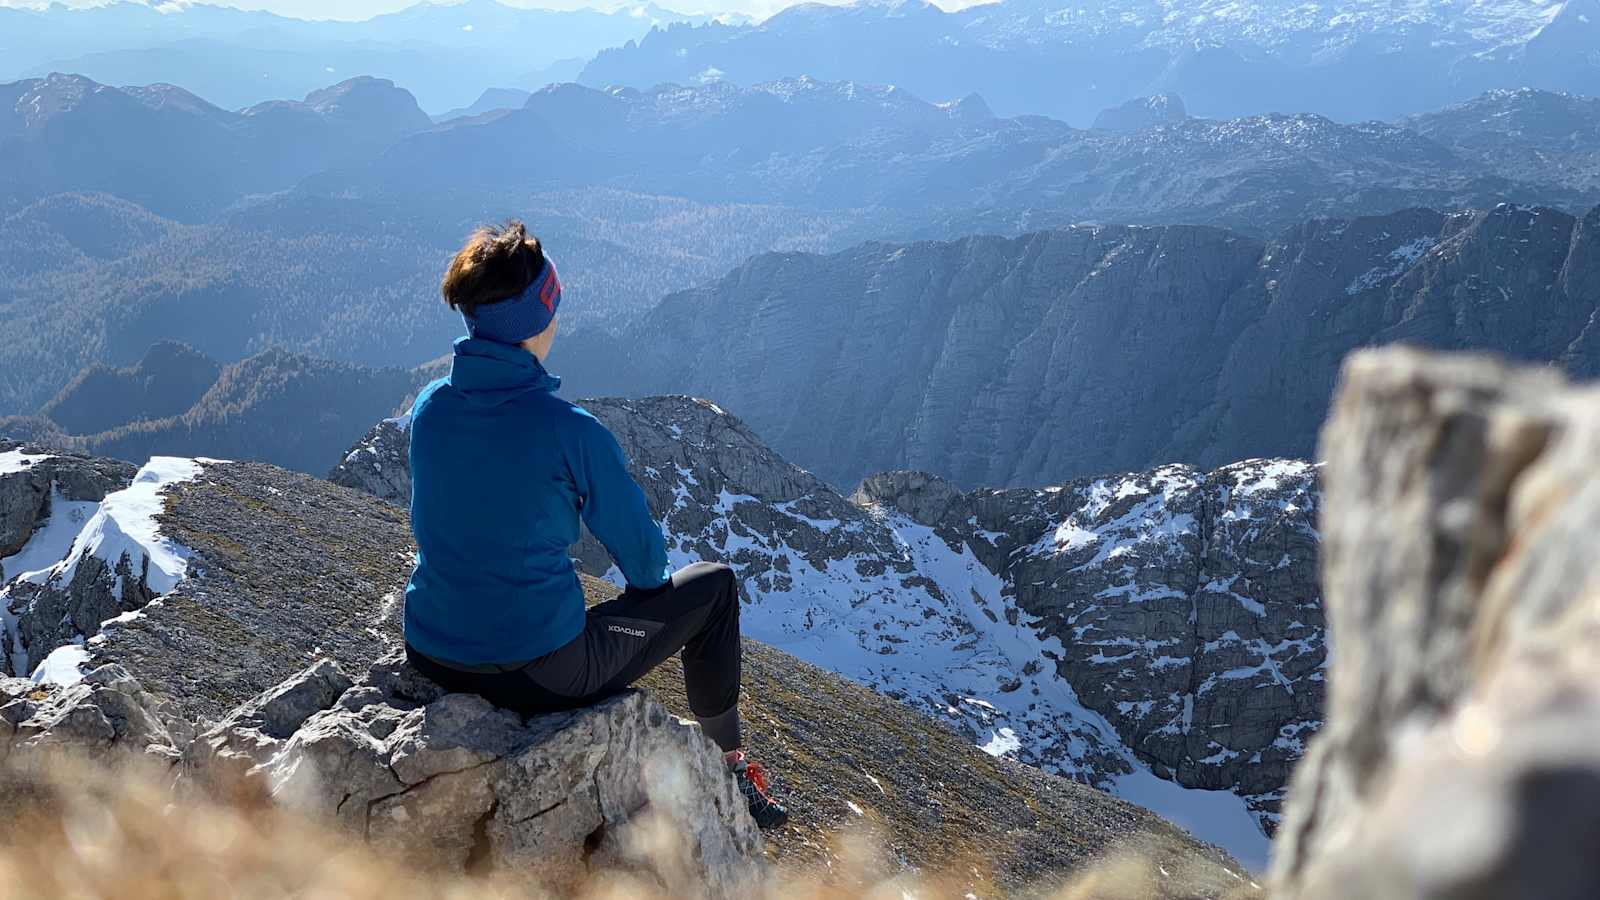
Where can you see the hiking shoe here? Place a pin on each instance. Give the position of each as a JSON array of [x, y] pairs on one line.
[[752, 780]]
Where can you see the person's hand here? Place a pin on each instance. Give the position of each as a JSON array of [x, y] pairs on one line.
[[651, 592]]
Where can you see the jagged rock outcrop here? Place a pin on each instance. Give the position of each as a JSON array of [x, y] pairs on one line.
[[1061, 354], [96, 562], [1166, 620], [449, 780], [107, 717], [380, 463], [1461, 756]]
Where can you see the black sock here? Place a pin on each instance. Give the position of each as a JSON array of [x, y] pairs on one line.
[[723, 728]]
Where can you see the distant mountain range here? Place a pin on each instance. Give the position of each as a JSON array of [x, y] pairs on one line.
[[878, 161], [132, 215], [1350, 60], [88, 279], [285, 408], [988, 360], [1059, 354], [890, 163], [446, 54], [166, 149]]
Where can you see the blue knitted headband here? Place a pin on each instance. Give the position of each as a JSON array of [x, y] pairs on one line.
[[515, 319]]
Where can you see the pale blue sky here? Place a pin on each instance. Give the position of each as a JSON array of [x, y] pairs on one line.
[[362, 9]]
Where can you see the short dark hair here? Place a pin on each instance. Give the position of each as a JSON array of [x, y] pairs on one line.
[[496, 263]]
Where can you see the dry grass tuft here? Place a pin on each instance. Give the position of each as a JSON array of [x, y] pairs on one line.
[[91, 831]]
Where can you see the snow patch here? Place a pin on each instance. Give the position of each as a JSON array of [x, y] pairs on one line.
[[13, 461], [1216, 816], [125, 523], [52, 539], [1400, 259], [64, 665]]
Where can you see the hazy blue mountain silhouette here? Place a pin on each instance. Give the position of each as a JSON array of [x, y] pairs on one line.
[[445, 53], [289, 409], [1349, 61], [915, 168], [178, 155]]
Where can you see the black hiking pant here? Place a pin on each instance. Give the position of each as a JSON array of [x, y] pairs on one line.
[[697, 612]]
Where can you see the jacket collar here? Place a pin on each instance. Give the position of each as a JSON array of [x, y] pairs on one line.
[[492, 373]]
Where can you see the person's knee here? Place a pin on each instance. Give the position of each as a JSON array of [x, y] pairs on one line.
[[724, 582], [714, 573]]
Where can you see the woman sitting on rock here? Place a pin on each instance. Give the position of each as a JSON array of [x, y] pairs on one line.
[[501, 471]]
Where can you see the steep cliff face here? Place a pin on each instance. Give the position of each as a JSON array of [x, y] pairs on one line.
[[1187, 603], [1156, 634], [1091, 349]]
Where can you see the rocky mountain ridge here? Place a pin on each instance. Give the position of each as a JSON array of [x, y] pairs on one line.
[[894, 163], [281, 571], [797, 165], [445, 53], [1026, 361], [1156, 634], [178, 402]]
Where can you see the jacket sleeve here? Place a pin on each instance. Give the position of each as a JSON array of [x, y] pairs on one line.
[[614, 507]]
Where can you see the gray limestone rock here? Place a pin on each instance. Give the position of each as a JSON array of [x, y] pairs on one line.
[[924, 497], [249, 735], [58, 610], [380, 463], [38, 486], [106, 716], [1461, 756], [448, 779], [26, 489]]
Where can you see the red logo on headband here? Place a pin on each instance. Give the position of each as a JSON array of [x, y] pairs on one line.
[[550, 288]]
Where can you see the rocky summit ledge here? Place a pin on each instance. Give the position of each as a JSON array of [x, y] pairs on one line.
[[449, 781], [446, 782]]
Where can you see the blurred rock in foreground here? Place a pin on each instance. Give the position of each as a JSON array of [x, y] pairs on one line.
[[1461, 545]]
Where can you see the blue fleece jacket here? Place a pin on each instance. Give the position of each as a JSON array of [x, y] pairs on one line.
[[501, 469]]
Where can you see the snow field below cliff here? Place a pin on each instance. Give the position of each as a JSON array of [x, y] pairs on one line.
[[50, 541], [1219, 817], [940, 635]]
